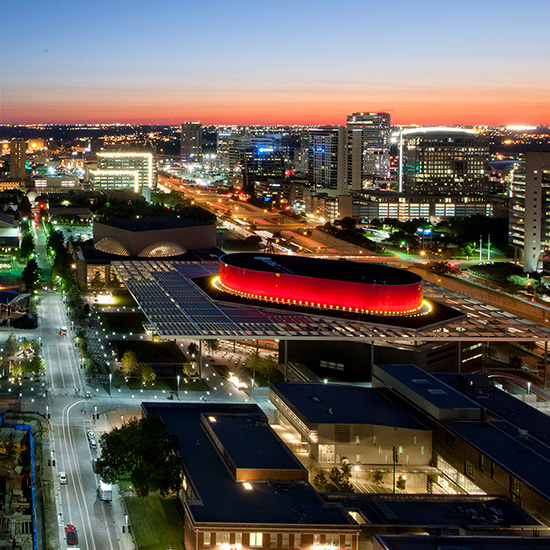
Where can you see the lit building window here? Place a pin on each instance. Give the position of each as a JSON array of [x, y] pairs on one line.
[[255, 539]]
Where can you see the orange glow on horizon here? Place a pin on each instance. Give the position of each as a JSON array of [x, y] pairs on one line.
[[300, 107]]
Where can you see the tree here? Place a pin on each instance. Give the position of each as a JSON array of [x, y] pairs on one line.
[[401, 483], [97, 283], [347, 223], [147, 374], [321, 482], [144, 450], [192, 349], [26, 248], [340, 477], [262, 366], [12, 345], [37, 365], [25, 344], [129, 364], [187, 369], [31, 276], [212, 345], [337, 481], [55, 241], [36, 345], [378, 477]]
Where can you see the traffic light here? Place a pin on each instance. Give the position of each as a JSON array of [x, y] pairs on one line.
[[41, 206]]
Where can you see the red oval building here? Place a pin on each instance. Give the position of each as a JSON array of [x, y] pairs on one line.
[[325, 284]]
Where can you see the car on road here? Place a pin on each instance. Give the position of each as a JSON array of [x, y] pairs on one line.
[[62, 478], [90, 434], [71, 535], [63, 331]]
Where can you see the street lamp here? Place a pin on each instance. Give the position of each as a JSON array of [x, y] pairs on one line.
[[528, 388], [110, 380], [178, 386]]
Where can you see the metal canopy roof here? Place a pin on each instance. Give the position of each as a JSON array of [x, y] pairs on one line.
[[179, 308]]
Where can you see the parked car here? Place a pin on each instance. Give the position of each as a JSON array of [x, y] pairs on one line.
[[62, 478], [71, 535]]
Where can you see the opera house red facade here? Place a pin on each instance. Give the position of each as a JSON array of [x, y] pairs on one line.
[[324, 284]]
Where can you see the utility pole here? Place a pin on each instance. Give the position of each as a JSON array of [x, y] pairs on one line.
[[489, 249]]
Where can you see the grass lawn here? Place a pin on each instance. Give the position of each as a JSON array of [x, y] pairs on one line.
[[498, 273], [157, 522], [150, 352], [124, 300], [124, 322]]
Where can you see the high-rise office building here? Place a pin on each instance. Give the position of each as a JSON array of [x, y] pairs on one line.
[[191, 141], [530, 211], [18, 158], [443, 161], [128, 168], [258, 164], [368, 145], [327, 160]]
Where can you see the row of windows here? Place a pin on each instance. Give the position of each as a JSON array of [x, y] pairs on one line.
[[271, 540]]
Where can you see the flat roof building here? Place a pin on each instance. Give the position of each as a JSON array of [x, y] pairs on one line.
[[337, 423], [125, 168], [482, 441], [242, 487]]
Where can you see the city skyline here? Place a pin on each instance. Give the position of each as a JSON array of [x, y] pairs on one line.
[[303, 63]]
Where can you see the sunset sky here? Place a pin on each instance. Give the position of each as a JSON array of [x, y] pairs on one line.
[[284, 61]]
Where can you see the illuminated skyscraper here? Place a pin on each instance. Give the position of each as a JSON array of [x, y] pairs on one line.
[[191, 141], [368, 148], [18, 158], [327, 159], [443, 162], [129, 168], [529, 211]]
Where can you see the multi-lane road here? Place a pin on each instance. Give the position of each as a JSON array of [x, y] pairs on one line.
[[70, 416], [99, 524]]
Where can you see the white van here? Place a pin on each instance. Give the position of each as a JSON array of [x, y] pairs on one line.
[[105, 491]]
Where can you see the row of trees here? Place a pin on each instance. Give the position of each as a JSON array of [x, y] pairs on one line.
[[132, 368], [337, 480]]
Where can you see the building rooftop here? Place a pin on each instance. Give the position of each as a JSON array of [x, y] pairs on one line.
[[435, 510], [481, 389], [419, 542], [427, 392], [153, 223], [340, 270], [174, 315], [223, 499], [247, 442], [521, 454], [344, 404], [91, 254]]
